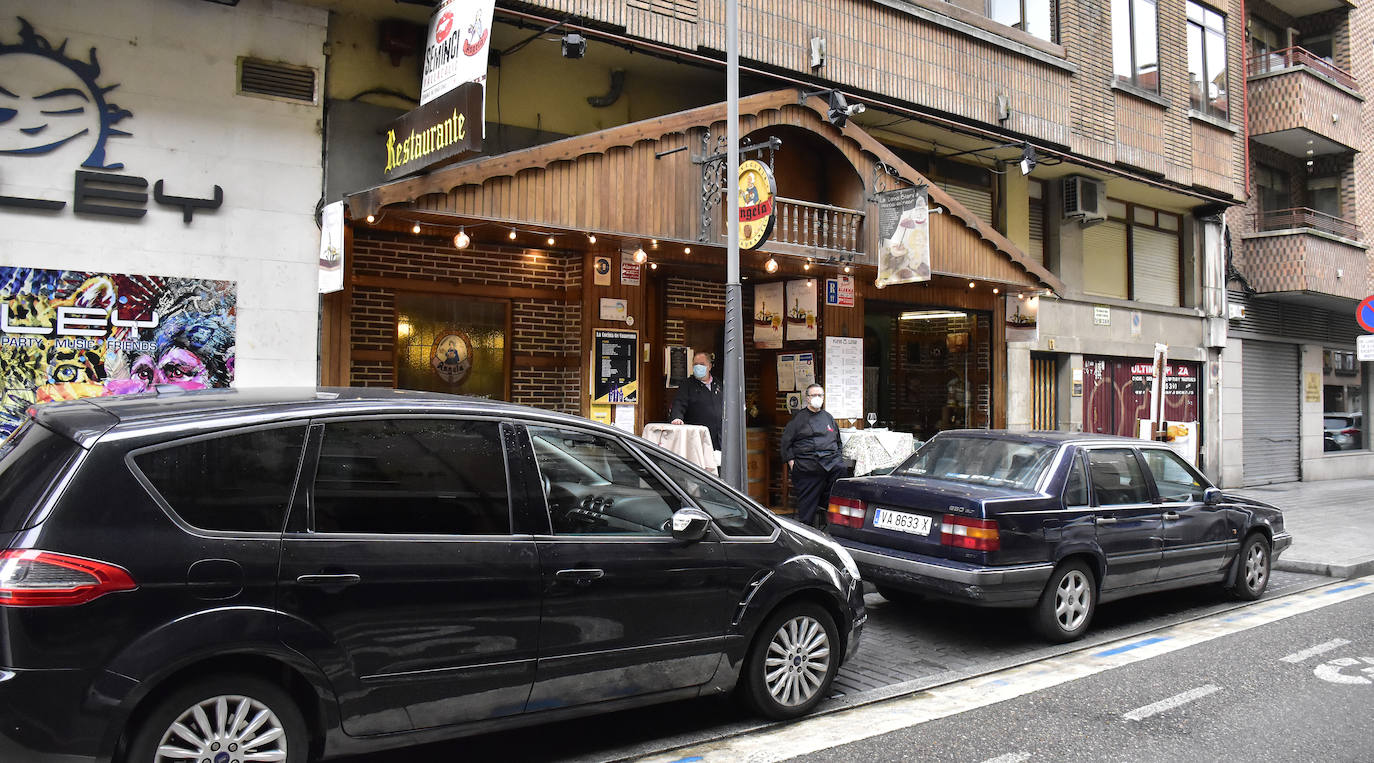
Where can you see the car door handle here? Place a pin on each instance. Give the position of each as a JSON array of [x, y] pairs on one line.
[[336, 582], [1105, 520], [1171, 515], [582, 576]]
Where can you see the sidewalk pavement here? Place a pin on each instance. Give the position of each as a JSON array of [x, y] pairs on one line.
[[1332, 522]]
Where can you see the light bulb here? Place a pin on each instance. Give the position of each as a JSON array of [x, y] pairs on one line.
[[512, 234], [653, 242], [416, 229], [550, 240], [591, 238], [371, 218], [846, 268], [996, 290], [807, 266], [771, 265], [686, 250], [462, 239], [653, 266], [640, 256], [970, 284]]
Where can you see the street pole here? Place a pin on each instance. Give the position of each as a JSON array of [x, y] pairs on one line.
[[732, 450]]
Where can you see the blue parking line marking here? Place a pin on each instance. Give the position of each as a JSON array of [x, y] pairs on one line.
[[1240, 616], [1347, 587], [692, 759], [1129, 647]]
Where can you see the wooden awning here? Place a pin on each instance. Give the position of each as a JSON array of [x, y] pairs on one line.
[[640, 180]]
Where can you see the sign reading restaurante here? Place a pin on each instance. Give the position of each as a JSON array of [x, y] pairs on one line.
[[439, 130]]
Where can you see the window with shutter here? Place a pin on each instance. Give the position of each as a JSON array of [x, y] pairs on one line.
[[1154, 259], [1104, 260], [978, 200]]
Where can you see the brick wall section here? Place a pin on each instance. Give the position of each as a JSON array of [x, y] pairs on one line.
[[1298, 98], [891, 49], [1361, 63], [539, 327]]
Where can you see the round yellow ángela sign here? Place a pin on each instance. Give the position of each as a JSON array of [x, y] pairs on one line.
[[755, 204]]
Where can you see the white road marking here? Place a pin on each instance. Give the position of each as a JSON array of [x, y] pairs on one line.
[[1155, 708], [1011, 757], [1331, 671], [1297, 657], [822, 732]]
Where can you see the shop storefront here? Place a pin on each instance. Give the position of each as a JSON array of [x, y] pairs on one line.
[[572, 276]]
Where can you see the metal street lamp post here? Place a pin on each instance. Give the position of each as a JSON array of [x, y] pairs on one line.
[[732, 449]]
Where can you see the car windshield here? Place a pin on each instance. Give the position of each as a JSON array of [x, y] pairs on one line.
[[981, 461]]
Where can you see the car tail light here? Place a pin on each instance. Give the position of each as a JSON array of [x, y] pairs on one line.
[[32, 578], [1351, 432], [847, 512], [963, 532]]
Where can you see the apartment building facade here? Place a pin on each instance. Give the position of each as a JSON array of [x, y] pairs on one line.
[[1299, 265]]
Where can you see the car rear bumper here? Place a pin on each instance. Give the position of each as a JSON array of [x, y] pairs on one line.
[[1010, 586], [45, 717]]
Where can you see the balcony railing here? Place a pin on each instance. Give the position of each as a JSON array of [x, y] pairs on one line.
[[1295, 56], [806, 223], [1302, 217]]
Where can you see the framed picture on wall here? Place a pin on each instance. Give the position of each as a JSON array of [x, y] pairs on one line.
[[456, 345]]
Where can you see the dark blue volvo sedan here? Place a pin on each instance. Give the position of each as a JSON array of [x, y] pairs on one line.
[[1055, 522]]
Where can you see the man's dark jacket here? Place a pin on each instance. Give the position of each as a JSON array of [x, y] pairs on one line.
[[698, 404], [813, 439]]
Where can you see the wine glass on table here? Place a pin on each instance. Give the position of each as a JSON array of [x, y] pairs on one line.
[[872, 419]]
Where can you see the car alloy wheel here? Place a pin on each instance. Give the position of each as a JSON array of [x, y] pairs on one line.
[[1072, 600], [1067, 604], [792, 662], [224, 729], [798, 661], [1253, 576], [222, 718]]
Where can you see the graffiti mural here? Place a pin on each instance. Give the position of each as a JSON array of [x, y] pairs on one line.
[[70, 334]]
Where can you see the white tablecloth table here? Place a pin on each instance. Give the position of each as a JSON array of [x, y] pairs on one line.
[[872, 449], [691, 441]]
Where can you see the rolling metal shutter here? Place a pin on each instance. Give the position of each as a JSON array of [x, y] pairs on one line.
[[1036, 248], [1155, 262], [1104, 260], [1269, 412], [978, 201]]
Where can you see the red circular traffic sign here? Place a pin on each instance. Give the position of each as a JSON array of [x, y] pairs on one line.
[[1365, 314]]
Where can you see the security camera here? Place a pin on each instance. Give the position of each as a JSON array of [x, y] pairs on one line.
[[574, 45], [841, 109]]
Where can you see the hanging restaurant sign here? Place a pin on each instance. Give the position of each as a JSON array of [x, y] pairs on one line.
[[903, 236], [434, 132], [456, 48], [756, 207]]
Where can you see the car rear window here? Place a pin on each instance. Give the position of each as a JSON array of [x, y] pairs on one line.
[[982, 461], [239, 482], [32, 459]]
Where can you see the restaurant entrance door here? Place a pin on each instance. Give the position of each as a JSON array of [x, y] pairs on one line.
[[930, 367]]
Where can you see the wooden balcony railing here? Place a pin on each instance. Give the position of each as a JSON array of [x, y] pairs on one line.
[[1302, 217], [1295, 56], [806, 223]]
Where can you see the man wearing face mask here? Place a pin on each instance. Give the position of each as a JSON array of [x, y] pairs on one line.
[[811, 448], [699, 399]]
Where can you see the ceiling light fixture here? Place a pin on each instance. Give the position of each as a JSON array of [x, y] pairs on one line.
[[928, 315], [462, 239], [771, 265], [640, 256]]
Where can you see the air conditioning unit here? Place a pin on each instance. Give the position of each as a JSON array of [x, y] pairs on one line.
[[1085, 198]]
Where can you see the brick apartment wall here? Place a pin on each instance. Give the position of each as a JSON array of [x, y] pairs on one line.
[[539, 327], [888, 48], [1361, 27]]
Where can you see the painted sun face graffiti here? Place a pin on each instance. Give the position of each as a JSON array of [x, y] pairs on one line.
[[53, 110]]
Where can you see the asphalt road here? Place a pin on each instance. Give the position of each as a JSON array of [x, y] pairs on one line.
[[1232, 698], [904, 648]]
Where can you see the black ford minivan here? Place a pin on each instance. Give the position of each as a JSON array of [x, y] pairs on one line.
[[236, 575]]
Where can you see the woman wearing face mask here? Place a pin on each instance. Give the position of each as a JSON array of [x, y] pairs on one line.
[[811, 448], [699, 399]]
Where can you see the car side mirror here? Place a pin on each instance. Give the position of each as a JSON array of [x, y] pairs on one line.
[[690, 524], [1211, 496]]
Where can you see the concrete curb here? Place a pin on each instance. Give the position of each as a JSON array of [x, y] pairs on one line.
[[1330, 569]]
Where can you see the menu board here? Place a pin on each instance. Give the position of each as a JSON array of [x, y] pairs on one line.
[[615, 374], [844, 377]]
